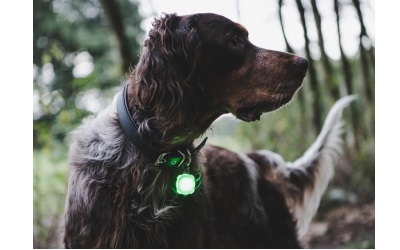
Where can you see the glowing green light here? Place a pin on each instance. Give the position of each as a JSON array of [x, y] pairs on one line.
[[173, 161], [185, 184]]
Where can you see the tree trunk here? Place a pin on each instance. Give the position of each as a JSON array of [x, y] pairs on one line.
[[331, 80], [112, 11], [288, 47], [317, 106], [346, 67], [302, 101], [368, 85], [348, 79]]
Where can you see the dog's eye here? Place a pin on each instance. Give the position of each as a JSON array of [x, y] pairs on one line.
[[235, 42]]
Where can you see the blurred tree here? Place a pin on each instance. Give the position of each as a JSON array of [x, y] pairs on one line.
[[331, 80], [302, 98], [113, 13], [346, 67], [317, 104], [288, 47], [364, 39], [348, 77], [73, 58]]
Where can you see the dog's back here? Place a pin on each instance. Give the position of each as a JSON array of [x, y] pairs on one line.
[[253, 200]]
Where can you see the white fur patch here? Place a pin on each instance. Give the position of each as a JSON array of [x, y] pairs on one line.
[[254, 206]]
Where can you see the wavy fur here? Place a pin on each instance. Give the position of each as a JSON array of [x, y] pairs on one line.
[[167, 78]]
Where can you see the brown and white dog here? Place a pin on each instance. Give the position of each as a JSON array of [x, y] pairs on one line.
[[123, 188]]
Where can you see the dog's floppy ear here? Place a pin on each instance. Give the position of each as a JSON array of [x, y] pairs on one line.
[[167, 71]]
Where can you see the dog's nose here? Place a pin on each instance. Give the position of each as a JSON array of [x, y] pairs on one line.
[[301, 64]]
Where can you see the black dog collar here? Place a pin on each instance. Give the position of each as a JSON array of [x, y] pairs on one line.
[[129, 125], [131, 129]]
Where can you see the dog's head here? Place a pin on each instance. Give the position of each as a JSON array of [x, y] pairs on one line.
[[194, 68]]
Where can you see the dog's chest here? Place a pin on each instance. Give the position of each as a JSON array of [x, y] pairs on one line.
[[185, 224]]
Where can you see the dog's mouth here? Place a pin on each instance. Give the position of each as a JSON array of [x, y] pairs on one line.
[[248, 114], [253, 112]]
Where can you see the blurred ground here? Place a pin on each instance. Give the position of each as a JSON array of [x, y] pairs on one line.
[[345, 226]]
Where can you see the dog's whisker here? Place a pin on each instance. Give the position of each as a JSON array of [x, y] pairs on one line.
[[276, 88]]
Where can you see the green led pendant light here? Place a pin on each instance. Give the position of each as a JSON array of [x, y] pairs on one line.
[[185, 184]]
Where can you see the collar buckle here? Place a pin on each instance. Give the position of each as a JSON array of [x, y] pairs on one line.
[[177, 158]]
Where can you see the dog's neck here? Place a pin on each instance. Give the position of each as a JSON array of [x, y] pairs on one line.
[[167, 132], [143, 130]]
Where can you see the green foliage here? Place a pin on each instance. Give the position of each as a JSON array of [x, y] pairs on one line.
[[363, 175], [285, 131], [365, 244], [49, 189], [74, 51]]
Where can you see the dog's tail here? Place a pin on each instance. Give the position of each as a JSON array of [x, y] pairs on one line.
[[305, 180], [313, 171]]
